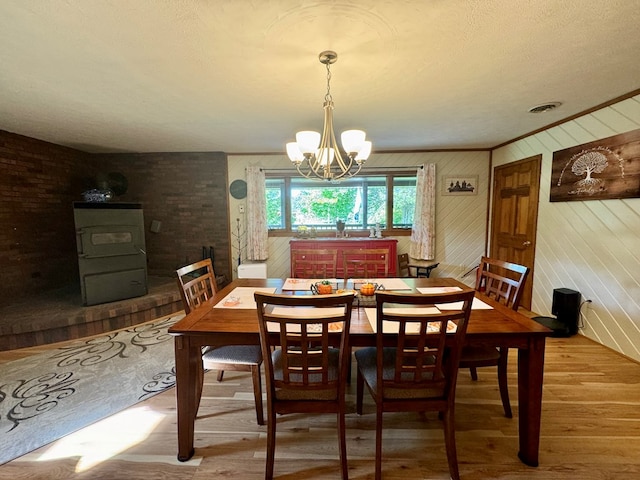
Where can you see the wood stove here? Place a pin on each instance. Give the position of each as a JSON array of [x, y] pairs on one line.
[[111, 251]]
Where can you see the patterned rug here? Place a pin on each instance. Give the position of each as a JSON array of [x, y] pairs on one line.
[[49, 395]]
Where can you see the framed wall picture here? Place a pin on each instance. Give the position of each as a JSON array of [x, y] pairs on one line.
[[460, 185], [605, 169]]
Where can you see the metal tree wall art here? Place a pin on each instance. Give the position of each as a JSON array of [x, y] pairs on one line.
[[240, 239], [604, 169]]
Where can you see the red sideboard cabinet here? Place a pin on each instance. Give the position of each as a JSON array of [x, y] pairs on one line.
[[341, 244]]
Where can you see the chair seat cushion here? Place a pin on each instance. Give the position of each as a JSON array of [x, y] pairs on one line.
[[479, 356], [308, 393], [233, 354], [366, 358]]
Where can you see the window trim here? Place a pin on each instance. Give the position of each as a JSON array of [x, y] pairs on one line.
[[389, 232]]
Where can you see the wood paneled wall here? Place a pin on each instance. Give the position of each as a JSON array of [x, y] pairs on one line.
[[460, 220], [590, 246]]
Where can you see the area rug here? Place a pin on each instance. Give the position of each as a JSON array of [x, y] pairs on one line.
[[49, 395]]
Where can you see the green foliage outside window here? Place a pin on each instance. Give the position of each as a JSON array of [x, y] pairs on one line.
[[315, 205], [360, 202], [275, 213], [404, 202]]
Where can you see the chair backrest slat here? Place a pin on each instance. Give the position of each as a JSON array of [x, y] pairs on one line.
[[503, 281], [303, 340], [403, 265], [320, 263], [365, 263], [428, 344], [197, 283]]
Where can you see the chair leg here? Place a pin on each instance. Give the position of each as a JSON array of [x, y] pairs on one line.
[[359, 392], [474, 374], [342, 439], [450, 443], [271, 445], [220, 375], [257, 392], [378, 442], [502, 381]]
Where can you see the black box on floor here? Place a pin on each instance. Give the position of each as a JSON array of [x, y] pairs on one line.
[[566, 307]]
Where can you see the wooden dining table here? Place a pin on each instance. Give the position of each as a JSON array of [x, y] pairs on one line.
[[499, 326]]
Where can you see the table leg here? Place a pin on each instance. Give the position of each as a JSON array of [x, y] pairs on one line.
[[187, 392], [530, 377]]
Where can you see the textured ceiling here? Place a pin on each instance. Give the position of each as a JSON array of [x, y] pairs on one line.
[[244, 76]]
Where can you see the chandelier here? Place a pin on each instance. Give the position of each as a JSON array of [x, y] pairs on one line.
[[318, 156]]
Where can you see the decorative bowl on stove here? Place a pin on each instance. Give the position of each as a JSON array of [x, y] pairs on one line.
[[96, 195]]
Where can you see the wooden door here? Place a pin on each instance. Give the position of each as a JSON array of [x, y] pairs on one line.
[[515, 215]]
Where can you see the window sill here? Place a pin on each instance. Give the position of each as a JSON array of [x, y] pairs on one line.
[[396, 232]]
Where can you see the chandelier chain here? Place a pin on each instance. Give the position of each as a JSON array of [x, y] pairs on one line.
[[327, 97]]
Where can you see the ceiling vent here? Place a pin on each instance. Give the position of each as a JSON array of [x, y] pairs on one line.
[[545, 107]]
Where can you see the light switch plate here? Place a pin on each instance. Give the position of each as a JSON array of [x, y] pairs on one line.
[[155, 226]]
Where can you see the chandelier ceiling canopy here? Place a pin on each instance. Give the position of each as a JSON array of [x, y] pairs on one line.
[[318, 156]]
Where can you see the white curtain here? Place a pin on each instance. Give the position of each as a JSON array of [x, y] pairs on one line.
[[257, 231], [423, 235]]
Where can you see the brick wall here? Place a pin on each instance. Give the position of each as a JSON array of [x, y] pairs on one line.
[[187, 194], [38, 183]]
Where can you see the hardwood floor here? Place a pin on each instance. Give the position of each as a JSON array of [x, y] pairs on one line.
[[590, 430]]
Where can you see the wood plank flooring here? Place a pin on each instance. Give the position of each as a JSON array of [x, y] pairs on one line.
[[590, 430]]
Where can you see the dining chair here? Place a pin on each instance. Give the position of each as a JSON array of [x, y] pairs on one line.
[[197, 284], [320, 263], [365, 263], [418, 372], [403, 265], [304, 373], [503, 281]]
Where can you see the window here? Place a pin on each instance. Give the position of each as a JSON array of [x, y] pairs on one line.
[[361, 202]]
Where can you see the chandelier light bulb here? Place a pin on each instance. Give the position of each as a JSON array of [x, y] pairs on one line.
[[325, 156], [364, 152], [294, 153], [308, 141], [352, 140]]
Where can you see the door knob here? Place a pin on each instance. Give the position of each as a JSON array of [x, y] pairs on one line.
[[526, 243]]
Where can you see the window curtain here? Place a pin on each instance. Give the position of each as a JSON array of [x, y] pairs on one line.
[[423, 236], [257, 231]]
